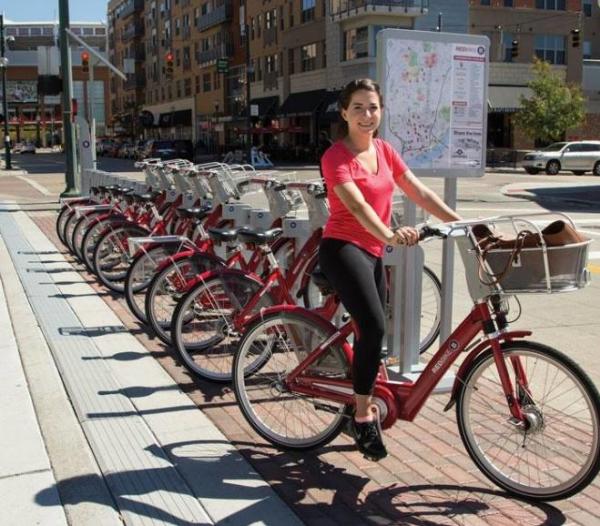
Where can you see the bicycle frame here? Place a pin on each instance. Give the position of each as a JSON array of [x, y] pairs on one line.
[[404, 400]]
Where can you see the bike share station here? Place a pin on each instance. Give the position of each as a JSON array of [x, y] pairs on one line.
[[434, 87]]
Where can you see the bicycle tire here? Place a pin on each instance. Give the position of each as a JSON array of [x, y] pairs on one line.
[[60, 223], [548, 415], [139, 276], [110, 255], [91, 237], [202, 331], [79, 231], [170, 288], [68, 230], [264, 357]]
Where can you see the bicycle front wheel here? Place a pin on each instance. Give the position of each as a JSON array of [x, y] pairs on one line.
[[203, 330], [270, 349], [555, 452]]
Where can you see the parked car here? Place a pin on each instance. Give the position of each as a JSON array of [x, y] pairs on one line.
[[24, 147], [578, 157], [170, 149]]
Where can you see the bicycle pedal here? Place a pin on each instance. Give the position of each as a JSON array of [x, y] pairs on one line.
[[327, 408]]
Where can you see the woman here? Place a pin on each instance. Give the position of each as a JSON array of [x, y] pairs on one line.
[[360, 172]]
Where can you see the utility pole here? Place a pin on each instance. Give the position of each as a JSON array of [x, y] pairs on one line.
[[4, 65], [67, 85], [248, 107], [439, 26]]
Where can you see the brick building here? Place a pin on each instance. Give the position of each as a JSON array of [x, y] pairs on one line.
[[33, 51]]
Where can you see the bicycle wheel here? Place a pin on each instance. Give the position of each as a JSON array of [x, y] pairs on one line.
[[90, 239], [556, 452], [111, 255], [139, 276], [167, 288], [202, 329], [68, 231], [269, 350], [81, 227], [61, 221]]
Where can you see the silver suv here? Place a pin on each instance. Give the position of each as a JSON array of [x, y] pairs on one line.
[[577, 157]]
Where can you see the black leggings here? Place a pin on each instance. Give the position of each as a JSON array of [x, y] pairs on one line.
[[358, 278]]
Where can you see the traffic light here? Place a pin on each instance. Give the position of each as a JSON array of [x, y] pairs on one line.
[[85, 62], [169, 65], [575, 36], [514, 50]]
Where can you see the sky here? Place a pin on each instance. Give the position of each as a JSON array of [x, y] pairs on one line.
[[45, 10]]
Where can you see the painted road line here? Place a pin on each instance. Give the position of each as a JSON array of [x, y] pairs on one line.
[[594, 269], [37, 186]]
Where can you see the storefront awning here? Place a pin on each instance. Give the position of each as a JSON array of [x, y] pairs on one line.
[[329, 108], [506, 99], [303, 103], [266, 105]]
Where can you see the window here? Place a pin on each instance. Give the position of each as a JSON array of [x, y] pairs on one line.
[[291, 61], [555, 5], [87, 31], [308, 56], [48, 31], [485, 2], [508, 3], [216, 80], [271, 64], [24, 31], [178, 84], [187, 87], [197, 83], [281, 18], [356, 43], [507, 39], [587, 7], [36, 31], [308, 10], [587, 49], [206, 82], [100, 31], [550, 48]]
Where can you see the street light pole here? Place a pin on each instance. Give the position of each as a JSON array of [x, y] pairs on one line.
[[67, 85], [7, 160], [248, 109]]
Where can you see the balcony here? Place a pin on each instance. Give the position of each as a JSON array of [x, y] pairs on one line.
[[220, 14], [270, 80], [211, 55], [134, 82], [133, 31], [344, 9], [270, 36], [131, 7]]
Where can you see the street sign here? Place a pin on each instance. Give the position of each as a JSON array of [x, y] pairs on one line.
[[222, 65], [254, 110]]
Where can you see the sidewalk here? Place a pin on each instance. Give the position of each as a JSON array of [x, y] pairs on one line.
[[120, 432]]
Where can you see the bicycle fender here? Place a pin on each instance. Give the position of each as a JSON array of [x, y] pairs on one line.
[[119, 224], [464, 367], [209, 274]]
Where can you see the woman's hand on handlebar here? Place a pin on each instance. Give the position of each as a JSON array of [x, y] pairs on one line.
[[406, 235]]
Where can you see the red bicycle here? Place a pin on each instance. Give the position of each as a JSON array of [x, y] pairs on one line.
[[528, 415]]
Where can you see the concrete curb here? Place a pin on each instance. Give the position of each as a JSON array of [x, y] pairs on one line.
[[69, 452]]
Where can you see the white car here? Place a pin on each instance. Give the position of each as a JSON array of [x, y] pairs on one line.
[[578, 157]]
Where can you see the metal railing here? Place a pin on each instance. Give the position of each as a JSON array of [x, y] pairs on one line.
[[220, 14], [351, 7]]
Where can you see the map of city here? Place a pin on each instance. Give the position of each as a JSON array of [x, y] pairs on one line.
[[418, 97]]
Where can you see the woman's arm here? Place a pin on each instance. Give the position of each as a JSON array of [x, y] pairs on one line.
[[424, 197], [353, 199]]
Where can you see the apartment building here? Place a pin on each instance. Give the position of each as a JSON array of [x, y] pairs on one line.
[[33, 51], [540, 28], [590, 40], [127, 52]]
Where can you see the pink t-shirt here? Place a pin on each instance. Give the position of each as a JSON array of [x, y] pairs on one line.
[[339, 165]]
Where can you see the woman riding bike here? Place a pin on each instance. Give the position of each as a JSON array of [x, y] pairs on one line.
[[360, 172]]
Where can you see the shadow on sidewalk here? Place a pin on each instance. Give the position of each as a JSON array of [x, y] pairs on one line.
[[317, 491]]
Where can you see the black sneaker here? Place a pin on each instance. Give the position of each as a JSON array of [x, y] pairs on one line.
[[368, 439]]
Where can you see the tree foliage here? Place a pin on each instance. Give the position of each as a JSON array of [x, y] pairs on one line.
[[553, 108]]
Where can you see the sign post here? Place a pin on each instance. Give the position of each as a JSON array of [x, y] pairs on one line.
[[434, 86]]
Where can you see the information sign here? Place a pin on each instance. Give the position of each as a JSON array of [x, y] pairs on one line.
[[435, 91]]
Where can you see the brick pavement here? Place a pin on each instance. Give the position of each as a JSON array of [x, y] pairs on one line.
[[427, 479]]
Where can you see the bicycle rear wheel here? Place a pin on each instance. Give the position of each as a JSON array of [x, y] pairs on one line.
[[269, 350], [556, 452]]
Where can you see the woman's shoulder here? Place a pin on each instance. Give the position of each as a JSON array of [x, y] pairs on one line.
[[336, 152]]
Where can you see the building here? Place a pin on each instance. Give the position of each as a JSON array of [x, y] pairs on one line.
[[32, 51], [520, 30], [127, 52], [590, 39]]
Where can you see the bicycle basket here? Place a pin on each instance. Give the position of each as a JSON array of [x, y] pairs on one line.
[[538, 269]]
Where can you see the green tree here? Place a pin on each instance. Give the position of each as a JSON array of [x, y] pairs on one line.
[[553, 108]]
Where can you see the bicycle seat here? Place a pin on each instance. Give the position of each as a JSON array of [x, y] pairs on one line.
[[259, 237], [222, 235], [193, 213], [320, 280]]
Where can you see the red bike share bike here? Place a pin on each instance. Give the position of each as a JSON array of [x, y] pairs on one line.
[[528, 415]]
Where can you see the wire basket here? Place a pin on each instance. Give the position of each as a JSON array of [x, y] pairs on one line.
[[542, 269]]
